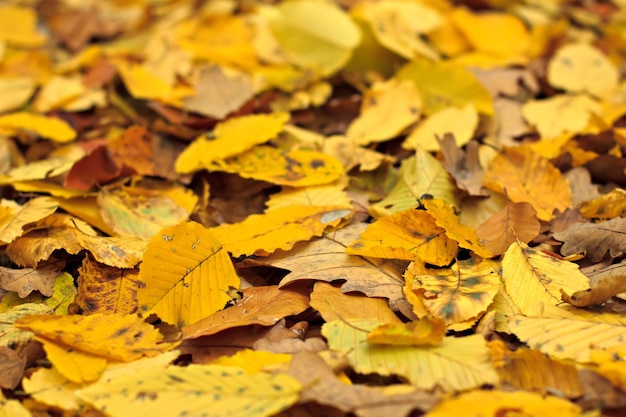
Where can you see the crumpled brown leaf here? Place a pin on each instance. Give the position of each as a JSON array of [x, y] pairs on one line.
[[594, 238]]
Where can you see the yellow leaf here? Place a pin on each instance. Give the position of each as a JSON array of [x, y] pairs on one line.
[[58, 92], [560, 114], [580, 68], [18, 25], [444, 84], [423, 332], [15, 91], [461, 122], [253, 361], [419, 175], [186, 272], [534, 279], [230, 138], [461, 292], [605, 207], [39, 170], [142, 83], [498, 34], [47, 127], [225, 39], [278, 229], [225, 390], [75, 365], [494, 402], [316, 35], [425, 367], [531, 370], [320, 195], [333, 304], [446, 217], [570, 333], [117, 337], [388, 108], [524, 176], [296, 168], [398, 24], [13, 222], [409, 235], [48, 386]]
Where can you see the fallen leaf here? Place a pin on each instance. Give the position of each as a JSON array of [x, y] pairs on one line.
[[423, 332], [595, 239], [280, 228], [263, 305], [460, 122], [185, 274], [534, 279], [605, 283], [524, 176]]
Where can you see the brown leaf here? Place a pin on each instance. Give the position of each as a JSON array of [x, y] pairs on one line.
[[515, 221], [260, 305], [26, 280], [596, 239], [323, 386], [464, 167], [12, 368]]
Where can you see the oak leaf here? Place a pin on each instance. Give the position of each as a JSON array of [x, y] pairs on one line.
[[595, 239]]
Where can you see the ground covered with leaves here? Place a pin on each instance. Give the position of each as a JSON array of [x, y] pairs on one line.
[[312, 208]]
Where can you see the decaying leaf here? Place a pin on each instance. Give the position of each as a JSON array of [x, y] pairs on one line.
[[595, 239], [605, 283]]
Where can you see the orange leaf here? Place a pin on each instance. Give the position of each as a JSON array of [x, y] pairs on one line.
[[527, 177]]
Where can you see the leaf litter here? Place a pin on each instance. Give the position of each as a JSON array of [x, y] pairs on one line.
[[312, 208]]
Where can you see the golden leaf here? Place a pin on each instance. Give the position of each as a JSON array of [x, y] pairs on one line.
[[493, 402], [112, 336], [534, 279], [460, 122], [296, 168], [15, 217], [423, 332], [461, 292], [388, 108], [524, 176], [186, 272], [227, 140], [320, 195], [446, 217], [605, 283], [410, 235], [75, 365], [531, 370], [333, 304], [278, 229], [47, 127], [560, 114]]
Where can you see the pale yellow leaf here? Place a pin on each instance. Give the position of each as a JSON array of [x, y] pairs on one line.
[[581, 67], [225, 390], [426, 367], [534, 279], [320, 195], [46, 126], [461, 122], [560, 114]]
